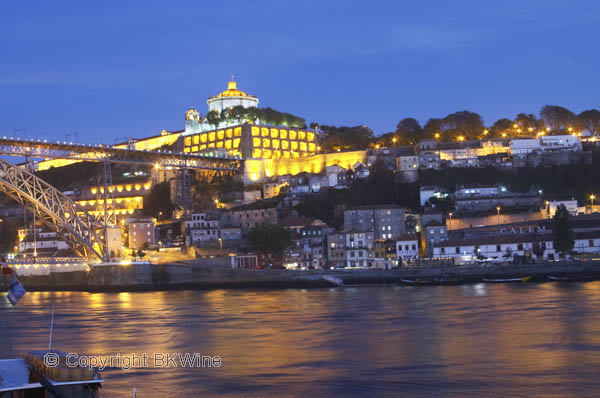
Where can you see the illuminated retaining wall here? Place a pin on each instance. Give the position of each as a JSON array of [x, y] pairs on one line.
[[257, 170], [255, 142]]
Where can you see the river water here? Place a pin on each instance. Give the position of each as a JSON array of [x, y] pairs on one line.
[[518, 340]]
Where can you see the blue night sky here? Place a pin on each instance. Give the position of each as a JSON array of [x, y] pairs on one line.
[[110, 70]]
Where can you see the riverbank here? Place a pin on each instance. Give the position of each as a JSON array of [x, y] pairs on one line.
[[199, 275]]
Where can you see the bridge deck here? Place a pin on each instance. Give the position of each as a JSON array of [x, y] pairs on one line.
[[37, 148]]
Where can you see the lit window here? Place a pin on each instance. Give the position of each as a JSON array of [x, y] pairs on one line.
[[188, 141], [310, 136], [255, 131], [294, 145], [301, 135], [229, 133], [236, 143], [285, 144], [274, 133], [264, 132], [256, 142], [266, 142], [203, 138], [211, 136], [238, 131], [292, 134], [196, 140]]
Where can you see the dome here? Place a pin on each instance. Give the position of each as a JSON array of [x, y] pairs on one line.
[[232, 91]]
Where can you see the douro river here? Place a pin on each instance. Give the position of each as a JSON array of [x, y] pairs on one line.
[[500, 340]]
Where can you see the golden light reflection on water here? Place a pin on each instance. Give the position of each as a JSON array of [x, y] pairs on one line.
[[506, 339]]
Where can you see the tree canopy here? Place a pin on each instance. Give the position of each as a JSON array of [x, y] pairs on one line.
[[267, 115], [562, 234], [347, 138], [158, 202], [270, 239]]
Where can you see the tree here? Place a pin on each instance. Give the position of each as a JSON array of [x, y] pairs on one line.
[[526, 121], [8, 236], [463, 123], [269, 239], [556, 117], [562, 234], [409, 130], [212, 118], [501, 126], [158, 202], [590, 120], [432, 127], [347, 138]]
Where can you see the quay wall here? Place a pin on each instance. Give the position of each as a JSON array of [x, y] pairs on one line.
[[202, 275]]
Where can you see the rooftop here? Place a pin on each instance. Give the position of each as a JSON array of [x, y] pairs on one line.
[[375, 207], [499, 239], [232, 91]]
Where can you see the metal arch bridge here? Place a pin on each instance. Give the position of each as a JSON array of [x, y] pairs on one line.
[[95, 153], [85, 234], [81, 231]]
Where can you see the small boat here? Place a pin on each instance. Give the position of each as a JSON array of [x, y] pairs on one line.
[[559, 278], [415, 282], [333, 280], [506, 280], [47, 373], [571, 279]]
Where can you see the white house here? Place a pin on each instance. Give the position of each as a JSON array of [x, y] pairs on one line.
[[407, 246]]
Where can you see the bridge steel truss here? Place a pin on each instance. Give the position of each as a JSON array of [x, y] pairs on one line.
[[81, 231], [96, 153], [84, 233]]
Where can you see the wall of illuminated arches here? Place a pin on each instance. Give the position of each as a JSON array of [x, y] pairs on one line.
[[255, 142]]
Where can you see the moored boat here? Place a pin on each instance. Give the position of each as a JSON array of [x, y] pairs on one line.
[[507, 280]]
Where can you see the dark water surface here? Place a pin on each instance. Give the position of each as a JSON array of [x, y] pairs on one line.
[[525, 340]]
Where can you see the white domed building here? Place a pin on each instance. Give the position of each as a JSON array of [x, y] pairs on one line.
[[230, 98]]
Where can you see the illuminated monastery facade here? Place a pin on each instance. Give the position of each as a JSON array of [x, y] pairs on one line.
[[250, 141]]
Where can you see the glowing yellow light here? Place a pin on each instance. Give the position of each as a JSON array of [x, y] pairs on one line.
[[461, 138]]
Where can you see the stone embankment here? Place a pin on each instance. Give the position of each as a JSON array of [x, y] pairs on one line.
[[200, 275]]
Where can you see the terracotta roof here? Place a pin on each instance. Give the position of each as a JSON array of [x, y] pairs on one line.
[[376, 207], [434, 223], [406, 237], [296, 222]]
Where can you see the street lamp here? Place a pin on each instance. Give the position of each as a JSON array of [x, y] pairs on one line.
[[450, 214], [592, 197], [394, 140], [498, 209], [220, 247]]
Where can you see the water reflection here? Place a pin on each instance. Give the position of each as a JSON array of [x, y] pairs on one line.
[[481, 339]]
